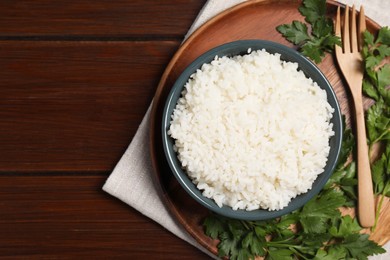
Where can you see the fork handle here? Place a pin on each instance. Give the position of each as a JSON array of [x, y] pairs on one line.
[[366, 205]]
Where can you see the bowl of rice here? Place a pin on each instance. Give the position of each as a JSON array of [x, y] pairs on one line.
[[252, 130]]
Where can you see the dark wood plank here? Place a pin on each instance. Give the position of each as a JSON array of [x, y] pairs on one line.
[[70, 217], [76, 78], [74, 106], [136, 18]]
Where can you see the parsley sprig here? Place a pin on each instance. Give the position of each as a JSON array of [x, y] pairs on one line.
[[321, 39], [376, 83], [376, 53]]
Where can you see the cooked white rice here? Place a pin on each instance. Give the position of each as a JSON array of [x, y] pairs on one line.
[[252, 131]]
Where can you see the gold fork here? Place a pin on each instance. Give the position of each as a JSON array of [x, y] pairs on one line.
[[350, 63]]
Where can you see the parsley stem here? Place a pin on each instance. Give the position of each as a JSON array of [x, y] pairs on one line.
[[382, 135], [245, 224], [277, 244], [282, 242], [379, 138], [298, 253], [293, 248], [378, 210]]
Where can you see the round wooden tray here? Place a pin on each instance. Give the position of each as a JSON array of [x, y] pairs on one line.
[[250, 20]]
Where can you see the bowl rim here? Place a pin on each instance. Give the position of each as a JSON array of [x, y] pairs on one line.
[[243, 46]]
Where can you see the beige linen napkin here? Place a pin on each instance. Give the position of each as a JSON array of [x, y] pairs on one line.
[[131, 181]]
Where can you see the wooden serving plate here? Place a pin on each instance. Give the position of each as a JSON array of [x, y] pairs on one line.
[[249, 20]]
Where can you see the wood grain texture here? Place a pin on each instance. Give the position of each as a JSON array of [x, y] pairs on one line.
[[76, 78], [74, 106], [101, 18], [71, 217]]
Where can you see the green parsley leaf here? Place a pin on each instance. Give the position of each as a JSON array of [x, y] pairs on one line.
[[376, 85], [384, 36], [378, 122], [279, 254], [329, 41], [347, 226], [369, 39], [331, 254], [345, 181], [235, 228], [260, 232], [370, 90], [254, 244], [372, 61], [381, 173], [360, 247], [228, 245], [317, 212], [296, 32], [322, 27], [386, 154], [243, 255], [312, 50], [386, 190], [213, 226], [321, 39], [347, 146], [377, 74], [383, 50], [287, 220], [313, 10], [351, 196], [315, 240], [383, 76], [378, 176]]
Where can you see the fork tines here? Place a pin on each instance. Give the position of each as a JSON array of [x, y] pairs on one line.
[[354, 42]]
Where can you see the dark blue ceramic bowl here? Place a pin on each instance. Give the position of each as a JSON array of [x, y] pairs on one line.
[[240, 48]]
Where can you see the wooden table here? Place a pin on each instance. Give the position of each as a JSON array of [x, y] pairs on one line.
[[76, 78]]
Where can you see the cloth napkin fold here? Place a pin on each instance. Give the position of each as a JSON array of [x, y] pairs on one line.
[[131, 180]]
